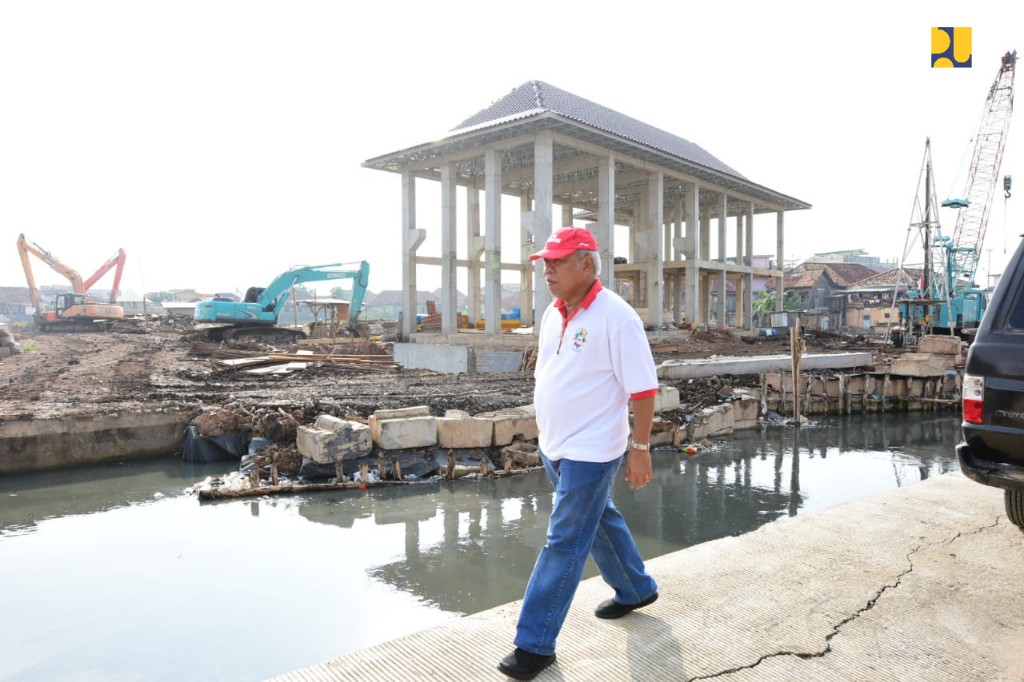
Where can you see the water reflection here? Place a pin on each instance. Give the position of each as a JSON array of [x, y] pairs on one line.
[[469, 546], [375, 564]]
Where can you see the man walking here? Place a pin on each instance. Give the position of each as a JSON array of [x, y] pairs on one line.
[[592, 359]]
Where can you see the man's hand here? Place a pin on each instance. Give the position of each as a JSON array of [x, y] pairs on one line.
[[638, 468]]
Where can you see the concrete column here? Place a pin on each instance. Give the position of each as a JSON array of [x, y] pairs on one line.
[[739, 242], [692, 241], [748, 251], [723, 217], [543, 196], [475, 247], [449, 290], [748, 279], [678, 251], [566, 215], [780, 263], [411, 240], [652, 243], [492, 243], [740, 309], [705, 233], [527, 246], [605, 226], [749, 301]]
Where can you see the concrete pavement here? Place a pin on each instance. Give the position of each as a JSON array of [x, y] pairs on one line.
[[920, 583]]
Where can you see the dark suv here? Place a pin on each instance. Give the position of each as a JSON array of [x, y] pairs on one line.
[[993, 393]]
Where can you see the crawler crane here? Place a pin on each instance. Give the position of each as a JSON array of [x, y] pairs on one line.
[[949, 297]]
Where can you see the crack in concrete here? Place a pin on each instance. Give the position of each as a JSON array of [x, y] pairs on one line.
[[857, 614]]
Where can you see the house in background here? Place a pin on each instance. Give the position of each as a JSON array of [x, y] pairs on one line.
[[870, 303], [858, 256], [15, 304], [819, 287]]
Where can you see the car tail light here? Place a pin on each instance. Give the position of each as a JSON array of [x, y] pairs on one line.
[[973, 398]]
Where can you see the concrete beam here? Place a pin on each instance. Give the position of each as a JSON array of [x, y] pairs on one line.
[[693, 369]]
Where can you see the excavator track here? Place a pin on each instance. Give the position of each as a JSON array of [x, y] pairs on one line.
[[75, 327], [253, 334]]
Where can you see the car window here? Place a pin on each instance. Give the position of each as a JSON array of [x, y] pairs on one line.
[[1015, 318]]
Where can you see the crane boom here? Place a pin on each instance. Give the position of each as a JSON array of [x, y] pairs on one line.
[[989, 142]]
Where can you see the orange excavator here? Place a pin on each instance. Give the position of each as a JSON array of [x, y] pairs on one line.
[[72, 312]]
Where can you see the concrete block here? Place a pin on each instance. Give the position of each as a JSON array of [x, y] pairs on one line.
[[464, 432], [920, 365], [402, 413], [331, 439], [663, 432], [666, 399], [745, 413], [448, 358], [711, 422], [5, 351], [939, 345], [783, 381], [512, 423], [400, 434]]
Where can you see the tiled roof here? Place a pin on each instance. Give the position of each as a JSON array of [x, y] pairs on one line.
[[535, 97], [843, 274], [802, 280], [907, 278], [15, 296]]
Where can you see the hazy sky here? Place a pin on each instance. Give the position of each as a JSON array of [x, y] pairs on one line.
[[220, 142]]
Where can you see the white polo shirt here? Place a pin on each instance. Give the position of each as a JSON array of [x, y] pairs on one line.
[[588, 367]]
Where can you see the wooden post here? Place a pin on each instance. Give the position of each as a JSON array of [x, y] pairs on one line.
[[794, 345]]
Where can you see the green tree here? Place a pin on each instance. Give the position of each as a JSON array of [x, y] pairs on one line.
[[160, 296], [764, 304]]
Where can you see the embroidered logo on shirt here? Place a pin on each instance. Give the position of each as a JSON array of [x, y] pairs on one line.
[[579, 339]]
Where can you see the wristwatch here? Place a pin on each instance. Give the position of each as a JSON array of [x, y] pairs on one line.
[[633, 445]]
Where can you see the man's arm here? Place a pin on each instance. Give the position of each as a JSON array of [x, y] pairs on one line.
[[638, 462]]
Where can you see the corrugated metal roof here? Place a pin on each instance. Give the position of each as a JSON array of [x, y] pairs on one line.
[[534, 97]]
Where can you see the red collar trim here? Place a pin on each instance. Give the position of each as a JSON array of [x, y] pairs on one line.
[[585, 303]]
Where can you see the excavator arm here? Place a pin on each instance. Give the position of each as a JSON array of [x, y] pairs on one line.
[[254, 317], [25, 247], [26, 264], [118, 259], [276, 294]]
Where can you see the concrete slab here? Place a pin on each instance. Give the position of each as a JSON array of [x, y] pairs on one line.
[[920, 583], [694, 369]]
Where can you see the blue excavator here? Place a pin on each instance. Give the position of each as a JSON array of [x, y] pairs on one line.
[[255, 318]]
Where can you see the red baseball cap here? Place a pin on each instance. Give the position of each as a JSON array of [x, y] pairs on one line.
[[565, 241]]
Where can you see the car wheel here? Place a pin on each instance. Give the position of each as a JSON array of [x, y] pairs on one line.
[[1015, 506]]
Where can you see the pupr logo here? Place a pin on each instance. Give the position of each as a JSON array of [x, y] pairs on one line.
[[579, 339], [951, 47]]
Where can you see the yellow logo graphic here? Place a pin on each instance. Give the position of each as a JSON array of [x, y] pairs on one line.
[[951, 47]]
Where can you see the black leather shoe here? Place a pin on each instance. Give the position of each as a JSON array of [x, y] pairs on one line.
[[522, 665], [613, 609]]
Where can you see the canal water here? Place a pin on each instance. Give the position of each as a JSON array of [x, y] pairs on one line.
[[114, 573]]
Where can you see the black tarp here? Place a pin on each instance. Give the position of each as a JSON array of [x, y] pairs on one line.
[[206, 449]]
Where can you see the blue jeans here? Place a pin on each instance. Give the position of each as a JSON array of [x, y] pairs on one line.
[[583, 521]]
